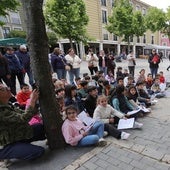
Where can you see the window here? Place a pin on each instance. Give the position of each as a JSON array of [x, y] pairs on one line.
[[18, 29], [137, 8], [144, 38], [104, 17], [103, 2], [152, 39], [138, 39], [164, 44], [143, 11], [15, 18], [115, 38], [105, 36], [6, 31], [3, 19], [131, 38], [112, 3]]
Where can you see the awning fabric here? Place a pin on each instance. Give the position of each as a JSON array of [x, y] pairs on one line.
[[12, 42]]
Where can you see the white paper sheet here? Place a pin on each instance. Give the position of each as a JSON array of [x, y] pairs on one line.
[[86, 119], [126, 123]]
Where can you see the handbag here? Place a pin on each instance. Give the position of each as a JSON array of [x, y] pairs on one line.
[[67, 68], [134, 62]]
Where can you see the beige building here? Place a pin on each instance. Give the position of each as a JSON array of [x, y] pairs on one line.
[[98, 12], [13, 21]]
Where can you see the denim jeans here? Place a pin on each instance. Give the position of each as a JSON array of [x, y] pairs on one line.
[[61, 73], [95, 133], [30, 76], [154, 71], [104, 69], [74, 72], [23, 149]]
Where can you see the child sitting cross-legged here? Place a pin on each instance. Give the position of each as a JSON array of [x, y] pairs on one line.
[[77, 134], [109, 116]]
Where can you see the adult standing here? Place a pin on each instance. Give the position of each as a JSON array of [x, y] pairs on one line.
[[92, 60], [131, 63], [15, 132], [169, 60], [4, 70], [58, 63], [103, 62], [24, 57], [16, 69], [111, 64], [74, 61], [154, 61]]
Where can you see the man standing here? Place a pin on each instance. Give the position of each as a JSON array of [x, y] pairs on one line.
[[24, 57], [16, 69]]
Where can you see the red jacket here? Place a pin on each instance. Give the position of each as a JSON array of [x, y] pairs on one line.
[[23, 97]]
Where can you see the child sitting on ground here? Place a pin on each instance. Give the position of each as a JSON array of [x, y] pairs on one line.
[[23, 95], [109, 116], [77, 134]]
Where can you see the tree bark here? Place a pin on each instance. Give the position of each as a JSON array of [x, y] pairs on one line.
[[38, 48]]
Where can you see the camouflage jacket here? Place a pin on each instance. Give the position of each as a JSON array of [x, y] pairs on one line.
[[14, 124]]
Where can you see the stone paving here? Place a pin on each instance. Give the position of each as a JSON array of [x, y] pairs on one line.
[[146, 149]]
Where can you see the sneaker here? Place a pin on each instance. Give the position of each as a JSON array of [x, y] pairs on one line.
[[105, 134], [5, 163], [137, 125], [125, 135], [102, 142]]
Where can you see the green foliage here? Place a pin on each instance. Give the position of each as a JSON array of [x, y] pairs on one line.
[[138, 23], [67, 18], [155, 19], [166, 30], [52, 38], [124, 22], [8, 5], [17, 33]]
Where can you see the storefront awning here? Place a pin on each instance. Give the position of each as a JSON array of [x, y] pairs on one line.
[[12, 42]]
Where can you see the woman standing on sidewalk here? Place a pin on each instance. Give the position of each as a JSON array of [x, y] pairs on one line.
[[74, 62], [131, 63], [154, 61], [92, 60]]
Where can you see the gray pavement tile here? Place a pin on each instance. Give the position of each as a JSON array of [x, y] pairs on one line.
[[101, 163], [125, 166], [90, 165], [113, 161]]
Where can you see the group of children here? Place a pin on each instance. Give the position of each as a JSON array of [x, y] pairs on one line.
[[105, 100]]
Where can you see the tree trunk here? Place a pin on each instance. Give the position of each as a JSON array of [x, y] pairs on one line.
[[38, 47], [71, 42]]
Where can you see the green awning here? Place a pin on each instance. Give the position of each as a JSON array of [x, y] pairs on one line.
[[12, 42]]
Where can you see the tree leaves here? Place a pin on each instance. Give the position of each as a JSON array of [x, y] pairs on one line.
[[67, 18]]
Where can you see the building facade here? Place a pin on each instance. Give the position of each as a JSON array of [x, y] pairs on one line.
[[13, 21]]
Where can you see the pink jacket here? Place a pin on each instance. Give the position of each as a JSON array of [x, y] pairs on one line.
[[71, 131]]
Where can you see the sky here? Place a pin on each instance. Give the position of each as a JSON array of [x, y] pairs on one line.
[[162, 4]]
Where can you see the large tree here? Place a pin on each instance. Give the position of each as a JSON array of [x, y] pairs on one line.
[[124, 22], [38, 46], [67, 18], [155, 19]]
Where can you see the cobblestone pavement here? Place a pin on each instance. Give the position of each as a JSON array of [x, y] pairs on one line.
[[146, 149]]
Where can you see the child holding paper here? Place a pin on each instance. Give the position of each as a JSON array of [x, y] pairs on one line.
[[77, 134], [109, 116]]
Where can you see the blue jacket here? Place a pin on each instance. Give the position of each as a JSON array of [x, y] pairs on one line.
[[14, 63], [58, 61], [24, 59]]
